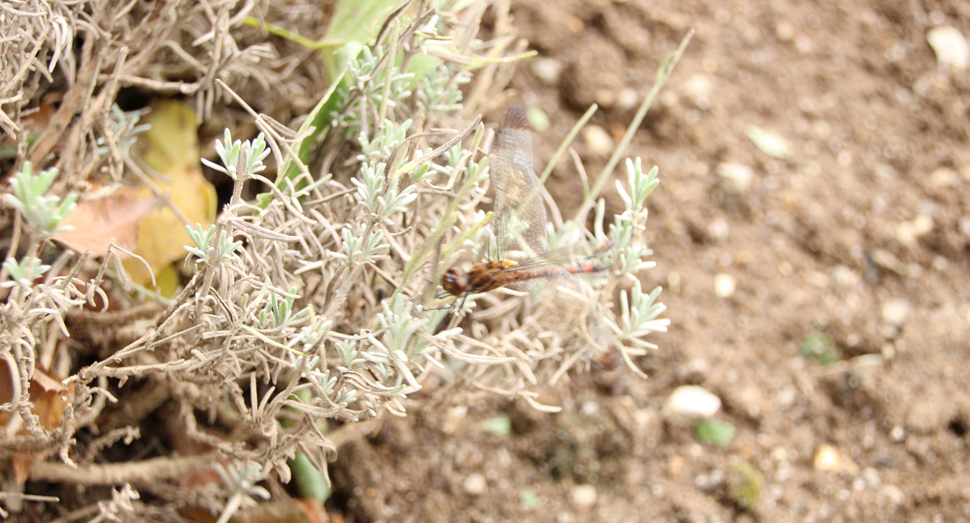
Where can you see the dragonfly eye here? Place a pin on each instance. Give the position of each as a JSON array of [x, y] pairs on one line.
[[455, 281]]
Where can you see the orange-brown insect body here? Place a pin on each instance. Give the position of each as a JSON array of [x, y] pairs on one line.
[[495, 274]]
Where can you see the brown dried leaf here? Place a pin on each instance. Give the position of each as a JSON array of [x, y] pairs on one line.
[[6, 390], [97, 222], [49, 397], [313, 510], [22, 462]]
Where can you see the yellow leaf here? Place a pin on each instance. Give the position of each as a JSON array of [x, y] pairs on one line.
[[172, 152]]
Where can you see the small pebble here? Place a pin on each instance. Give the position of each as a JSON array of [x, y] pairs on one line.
[[951, 48], [699, 367], [942, 177], [896, 312], [676, 465], [475, 484], [897, 434], [724, 285], [698, 89], [627, 99], [893, 494], [845, 276], [784, 31], [884, 170], [605, 98], [735, 179], [454, 420], [888, 351], [719, 229], [779, 454], [583, 496], [922, 225], [548, 70], [871, 477], [827, 458], [787, 396], [908, 232], [598, 140], [690, 403]]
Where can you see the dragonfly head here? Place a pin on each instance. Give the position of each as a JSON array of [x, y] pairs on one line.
[[455, 281]]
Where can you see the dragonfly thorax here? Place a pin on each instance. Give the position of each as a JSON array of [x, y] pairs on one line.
[[482, 277]]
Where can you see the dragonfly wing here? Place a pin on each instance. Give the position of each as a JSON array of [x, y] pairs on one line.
[[570, 306], [517, 196]]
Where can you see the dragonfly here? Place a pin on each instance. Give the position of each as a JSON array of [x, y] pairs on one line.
[[552, 281]]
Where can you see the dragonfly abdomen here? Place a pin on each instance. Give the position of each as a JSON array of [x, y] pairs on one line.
[[590, 266]]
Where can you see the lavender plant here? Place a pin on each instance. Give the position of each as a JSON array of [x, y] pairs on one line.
[[317, 302]]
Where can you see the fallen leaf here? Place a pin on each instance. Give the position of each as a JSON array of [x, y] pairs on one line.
[[22, 463], [33, 124], [171, 151], [97, 222], [313, 510], [48, 397], [769, 143], [6, 390], [264, 512]]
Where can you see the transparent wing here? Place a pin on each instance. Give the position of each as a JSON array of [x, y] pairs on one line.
[[518, 203], [569, 306], [596, 255]]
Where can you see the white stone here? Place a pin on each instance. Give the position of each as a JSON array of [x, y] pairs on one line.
[[547, 70], [598, 140], [724, 285], [719, 229], [922, 225], [896, 312], [454, 420], [909, 232], [893, 494], [698, 89], [475, 484], [690, 403], [845, 276], [951, 48], [871, 477], [627, 99], [735, 179], [827, 458], [583, 496], [944, 177]]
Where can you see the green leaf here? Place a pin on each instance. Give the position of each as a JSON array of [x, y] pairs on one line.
[[419, 67], [745, 484], [354, 22], [820, 346], [310, 482], [500, 426], [769, 143], [714, 432]]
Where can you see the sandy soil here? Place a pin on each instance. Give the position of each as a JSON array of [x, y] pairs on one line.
[[860, 233]]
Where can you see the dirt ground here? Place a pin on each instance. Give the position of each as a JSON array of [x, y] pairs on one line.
[[861, 233]]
